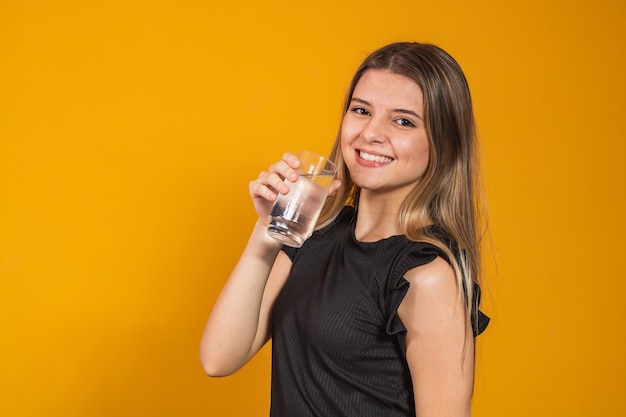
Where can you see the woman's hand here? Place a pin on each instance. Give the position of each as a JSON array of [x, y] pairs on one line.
[[265, 189]]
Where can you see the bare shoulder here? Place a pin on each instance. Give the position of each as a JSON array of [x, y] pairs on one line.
[[438, 348], [437, 275], [432, 298]]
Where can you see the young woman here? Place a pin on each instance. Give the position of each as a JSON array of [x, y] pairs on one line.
[[376, 314]]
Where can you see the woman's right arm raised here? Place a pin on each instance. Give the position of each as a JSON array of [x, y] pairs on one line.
[[239, 324]]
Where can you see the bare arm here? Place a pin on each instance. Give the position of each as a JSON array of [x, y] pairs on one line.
[[239, 324], [439, 351]]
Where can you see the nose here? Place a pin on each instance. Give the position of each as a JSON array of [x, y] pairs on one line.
[[375, 131]]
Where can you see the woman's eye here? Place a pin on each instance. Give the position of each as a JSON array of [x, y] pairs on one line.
[[360, 110], [405, 122]]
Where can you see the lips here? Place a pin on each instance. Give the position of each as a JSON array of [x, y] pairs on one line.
[[374, 158]]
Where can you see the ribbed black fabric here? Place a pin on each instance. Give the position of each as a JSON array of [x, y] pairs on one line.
[[337, 341]]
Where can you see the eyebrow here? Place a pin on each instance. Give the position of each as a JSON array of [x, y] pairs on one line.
[[404, 111]]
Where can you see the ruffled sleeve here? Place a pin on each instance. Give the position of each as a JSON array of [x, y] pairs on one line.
[[480, 321], [397, 287], [290, 252]]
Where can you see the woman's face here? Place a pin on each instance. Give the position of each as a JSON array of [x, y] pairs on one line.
[[383, 135]]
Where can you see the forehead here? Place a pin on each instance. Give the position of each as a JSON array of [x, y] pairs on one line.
[[386, 88]]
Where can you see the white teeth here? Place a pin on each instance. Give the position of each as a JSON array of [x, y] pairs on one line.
[[374, 158]]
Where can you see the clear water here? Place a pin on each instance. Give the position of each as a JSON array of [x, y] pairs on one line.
[[294, 214]]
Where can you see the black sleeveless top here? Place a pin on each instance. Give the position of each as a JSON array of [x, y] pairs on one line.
[[338, 344]]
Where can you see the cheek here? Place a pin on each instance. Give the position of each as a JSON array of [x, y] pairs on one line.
[[424, 150], [424, 156], [345, 148], [418, 150], [349, 130], [346, 136]]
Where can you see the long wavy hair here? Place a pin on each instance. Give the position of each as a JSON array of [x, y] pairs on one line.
[[449, 193]]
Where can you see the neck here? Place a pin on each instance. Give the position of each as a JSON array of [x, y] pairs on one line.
[[378, 217]]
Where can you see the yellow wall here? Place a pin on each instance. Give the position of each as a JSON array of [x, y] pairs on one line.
[[129, 132]]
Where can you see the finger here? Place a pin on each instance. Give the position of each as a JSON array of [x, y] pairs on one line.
[[277, 183], [292, 160], [334, 187], [259, 189], [285, 170], [269, 184]]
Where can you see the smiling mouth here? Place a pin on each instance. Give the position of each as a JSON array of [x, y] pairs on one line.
[[374, 158]]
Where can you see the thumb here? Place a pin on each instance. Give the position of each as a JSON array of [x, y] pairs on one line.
[[334, 187]]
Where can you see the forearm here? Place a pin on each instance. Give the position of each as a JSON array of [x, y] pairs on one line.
[[237, 326]]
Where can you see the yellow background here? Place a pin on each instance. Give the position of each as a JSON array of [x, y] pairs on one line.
[[129, 131]]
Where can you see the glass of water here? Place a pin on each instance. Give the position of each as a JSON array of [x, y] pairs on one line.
[[294, 215]]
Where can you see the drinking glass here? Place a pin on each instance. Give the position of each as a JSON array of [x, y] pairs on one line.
[[294, 215]]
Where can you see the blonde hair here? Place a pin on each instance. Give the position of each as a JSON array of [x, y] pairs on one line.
[[449, 193]]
